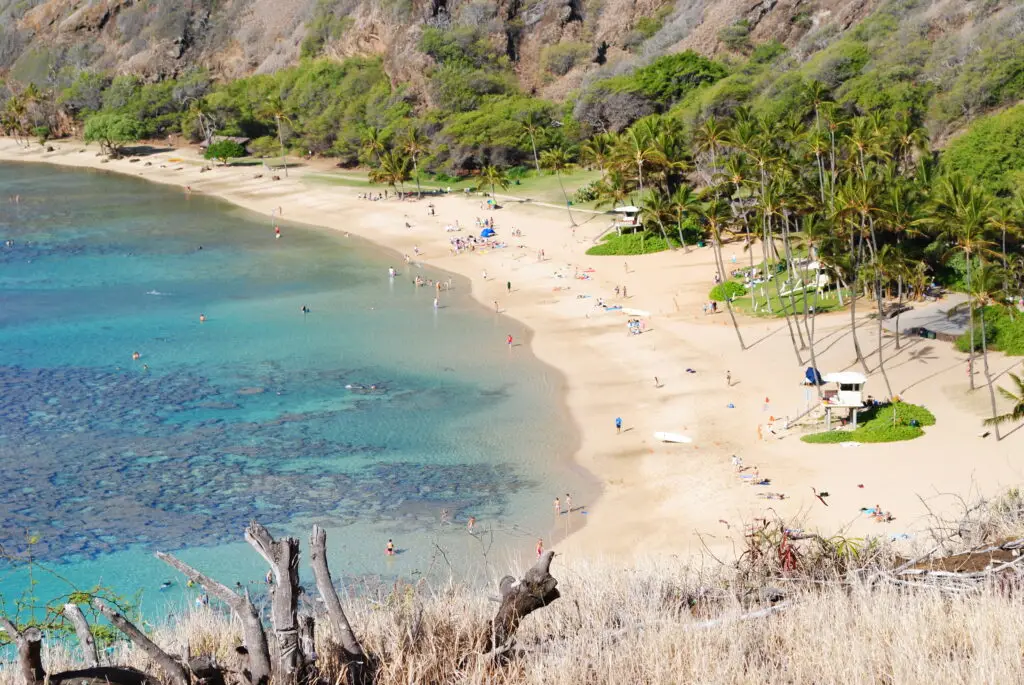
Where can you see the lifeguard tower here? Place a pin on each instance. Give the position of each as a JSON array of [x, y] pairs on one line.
[[847, 392], [626, 217]]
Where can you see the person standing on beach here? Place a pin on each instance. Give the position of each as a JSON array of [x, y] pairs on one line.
[[435, 303], [495, 306], [624, 295], [728, 379], [568, 503], [390, 549], [508, 341], [508, 285], [618, 425], [540, 547], [558, 507], [470, 524]]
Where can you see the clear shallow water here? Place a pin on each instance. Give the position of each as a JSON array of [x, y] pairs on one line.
[[105, 459]]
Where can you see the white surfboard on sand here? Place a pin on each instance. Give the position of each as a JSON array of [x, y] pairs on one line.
[[672, 437]]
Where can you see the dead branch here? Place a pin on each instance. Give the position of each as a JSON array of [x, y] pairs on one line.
[[253, 636], [29, 644], [325, 585], [174, 671], [283, 557], [85, 638], [105, 675], [519, 598]]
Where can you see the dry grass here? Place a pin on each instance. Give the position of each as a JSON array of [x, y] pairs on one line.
[[840, 615]]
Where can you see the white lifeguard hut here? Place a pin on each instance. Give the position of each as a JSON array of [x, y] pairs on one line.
[[847, 392], [626, 217]]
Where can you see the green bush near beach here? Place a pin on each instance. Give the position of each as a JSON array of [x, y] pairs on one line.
[[728, 290], [628, 244], [878, 425], [1004, 332]]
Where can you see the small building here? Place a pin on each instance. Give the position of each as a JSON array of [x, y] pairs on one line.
[[626, 217], [847, 393]]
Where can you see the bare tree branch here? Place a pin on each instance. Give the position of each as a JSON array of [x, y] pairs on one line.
[[85, 638], [174, 671], [254, 637], [519, 598]]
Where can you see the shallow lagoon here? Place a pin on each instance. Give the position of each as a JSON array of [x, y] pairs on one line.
[[105, 459]]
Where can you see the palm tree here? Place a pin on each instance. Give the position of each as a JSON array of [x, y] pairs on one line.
[[414, 144], [394, 169], [717, 213], [962, 213], [494, 176], [373, 141], [989, 291], [533, 124], [559, 160], [635, 148], [684, 202], [598, 151], [1015, 414], [274, 107]]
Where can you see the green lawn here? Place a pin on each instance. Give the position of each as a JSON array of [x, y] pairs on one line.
[[766, 303], [887, 423], [543, 188]]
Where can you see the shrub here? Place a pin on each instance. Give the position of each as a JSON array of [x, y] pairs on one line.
[[628, 244], [561, 58], [991, 149], [42, 133], [587, 193], [1004, 332], [767, 52], [736, 36], [112, 131], [670, 78], [224, 150], [886, 423], [727, 290]]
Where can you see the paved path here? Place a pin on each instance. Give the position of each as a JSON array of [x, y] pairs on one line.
[[934, 316]]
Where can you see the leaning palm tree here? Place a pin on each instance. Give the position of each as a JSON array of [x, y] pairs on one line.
[[394, 169], [559, 160], [414, 144], [1017, 412], [717, 213], [493, 176], [372, 140], [988, 289], [533, 125]]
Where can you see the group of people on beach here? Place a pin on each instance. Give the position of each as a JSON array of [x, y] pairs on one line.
[[459, 244]]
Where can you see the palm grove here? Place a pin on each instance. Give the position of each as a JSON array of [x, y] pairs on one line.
[[809, 178]]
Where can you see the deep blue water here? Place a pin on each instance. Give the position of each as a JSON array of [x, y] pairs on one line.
[[105, 459]]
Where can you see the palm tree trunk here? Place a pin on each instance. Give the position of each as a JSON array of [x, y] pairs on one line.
[[558, 175], [728, 301], [855, 264], [789, 258], [988, 375], [416, 169], [970, 310], [899, 306], [536, 159]]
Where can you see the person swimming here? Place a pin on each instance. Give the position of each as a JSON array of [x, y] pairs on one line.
[[202, 318], [166, 584], [136, 355]]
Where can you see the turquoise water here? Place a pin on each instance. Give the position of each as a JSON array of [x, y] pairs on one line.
[[105, 459]]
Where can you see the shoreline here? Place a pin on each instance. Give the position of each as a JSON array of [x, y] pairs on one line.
[[654, 497]]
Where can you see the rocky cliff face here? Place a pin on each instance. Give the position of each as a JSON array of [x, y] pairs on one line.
[[553, 45]]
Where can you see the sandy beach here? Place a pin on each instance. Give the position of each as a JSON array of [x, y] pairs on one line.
[[657, 498]]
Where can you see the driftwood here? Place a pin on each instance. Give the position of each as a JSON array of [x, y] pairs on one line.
[[29, 644], [519, 598], [85, 638], [253, 636], [287, 658]]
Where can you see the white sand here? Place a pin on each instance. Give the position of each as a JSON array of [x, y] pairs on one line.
[[660, 498]]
